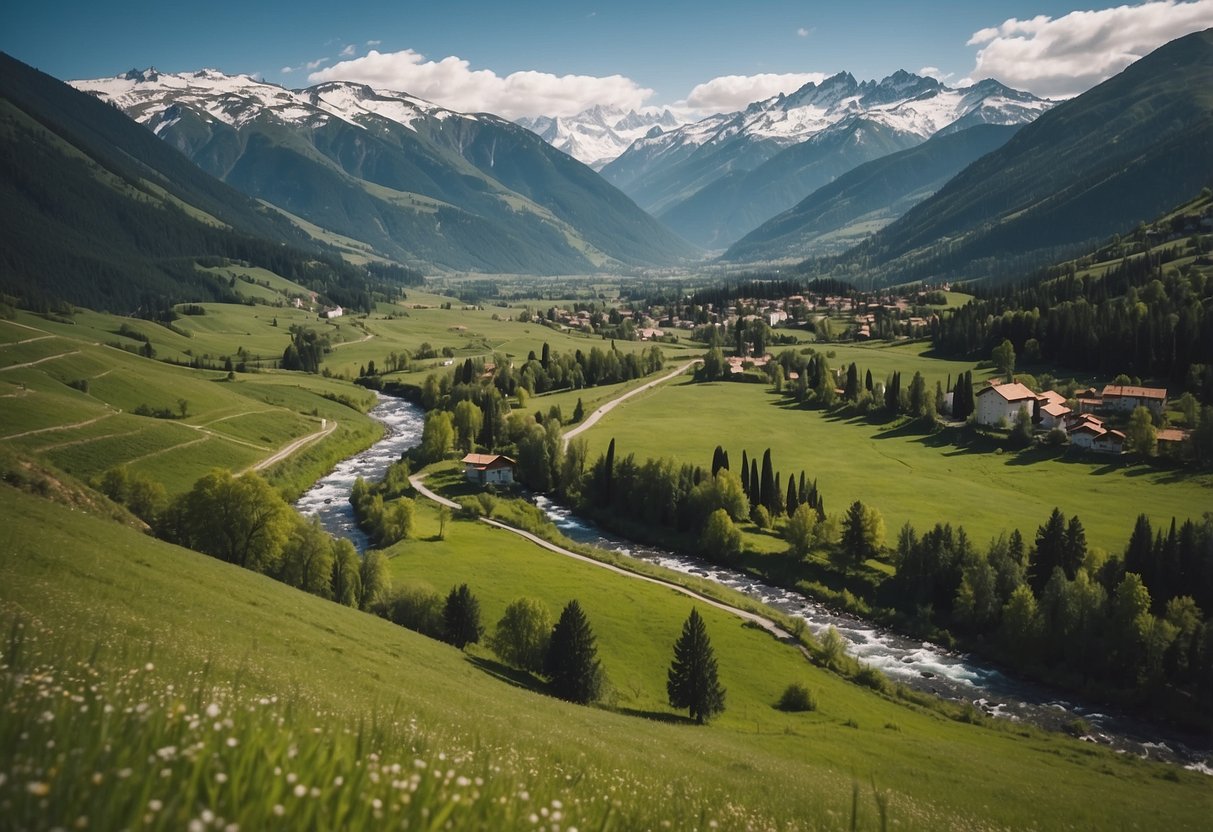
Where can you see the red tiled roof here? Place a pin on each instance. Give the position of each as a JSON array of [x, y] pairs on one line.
[[486, 460], [1013, 392], [1119, 391]]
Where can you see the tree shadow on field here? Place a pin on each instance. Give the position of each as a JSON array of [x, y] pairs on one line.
[[658, 716], [510, 675]]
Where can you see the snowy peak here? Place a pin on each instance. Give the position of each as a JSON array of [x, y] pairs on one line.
[[154, 98], [598, 135]]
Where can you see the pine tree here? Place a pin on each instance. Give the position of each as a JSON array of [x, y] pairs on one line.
[[461, 617], [1049, 552], [1074, 550], [692, 681], [572, 657]]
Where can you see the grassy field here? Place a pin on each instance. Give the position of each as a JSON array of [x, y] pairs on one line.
[[302, 692], [75, 409], [904, 474]]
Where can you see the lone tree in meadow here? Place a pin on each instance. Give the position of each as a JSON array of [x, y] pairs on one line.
[[572, 662], [523, 634], [692, 682], [461, 617]]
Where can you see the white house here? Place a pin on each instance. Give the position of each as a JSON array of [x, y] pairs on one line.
[[1001, 402], [1053, 415], [1122, 397], [1111, 442], [488, 469], [335, 312]]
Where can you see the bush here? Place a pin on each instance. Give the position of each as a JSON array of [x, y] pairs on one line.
[[761, 517], [797, 697], [418, 608], [872, 678]]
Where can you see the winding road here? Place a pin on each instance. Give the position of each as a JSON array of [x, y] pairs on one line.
[[603, 410], [763, 622]]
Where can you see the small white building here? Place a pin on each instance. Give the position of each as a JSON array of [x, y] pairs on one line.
[[1053, 415], [489, 469], [999, 403], [335, 312]]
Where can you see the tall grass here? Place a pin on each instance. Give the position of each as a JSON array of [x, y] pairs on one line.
[[103, 739]]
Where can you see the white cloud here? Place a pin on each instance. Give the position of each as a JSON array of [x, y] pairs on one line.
[[936, 73], [1062, 57], [348, 51], [287, 70], [802, 32], [316, 64], [373, 43], [733, 92], [452, 83]]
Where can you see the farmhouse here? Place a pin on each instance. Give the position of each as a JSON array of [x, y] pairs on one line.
[[1123, 397], [487, 469], [1053, 415], [999, 403], [335, 312]]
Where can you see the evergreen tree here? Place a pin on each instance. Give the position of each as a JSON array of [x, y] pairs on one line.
[[1074, 550], [717, 459], [745, 475], [755, 493], [1049, 552], [867, 381], [862, 533], [608, 472], [461, 617], [578, 411], [793, 498], [851, 392], [692, 681], [572, 658], [766, 493]]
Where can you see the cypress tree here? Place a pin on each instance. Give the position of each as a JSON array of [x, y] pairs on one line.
[[766, 493], [717, 461], [692, 681], [724, 460], [867, 381], [608, 472], [571, 661], [755, 485], [461, 617], [792, 500], [802, 492], [745, 474]]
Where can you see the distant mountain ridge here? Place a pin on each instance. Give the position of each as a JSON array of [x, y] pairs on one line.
[[416, 182], [1120, 153], [717, 179], [598, 135], [843, 213]]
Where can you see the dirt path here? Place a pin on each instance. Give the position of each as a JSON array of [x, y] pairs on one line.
[[328, 426], [603, 410], [763, 622], [85, 423], [39, 361]]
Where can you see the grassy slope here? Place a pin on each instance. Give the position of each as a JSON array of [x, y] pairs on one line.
[[71, 573], [907, 476], [232, 424]]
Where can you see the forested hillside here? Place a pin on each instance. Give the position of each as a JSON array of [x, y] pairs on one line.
[[1138, 305]]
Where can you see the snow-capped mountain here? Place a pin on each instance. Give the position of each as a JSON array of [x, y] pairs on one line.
[[665, 171], [415, 181], [598, 135]]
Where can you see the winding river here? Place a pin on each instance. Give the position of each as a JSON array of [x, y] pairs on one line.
[[918, 664]]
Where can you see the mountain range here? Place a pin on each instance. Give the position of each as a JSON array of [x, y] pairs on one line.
[[716, 179], [400, 176], [598, 135], [1096, 165], [845, 212]]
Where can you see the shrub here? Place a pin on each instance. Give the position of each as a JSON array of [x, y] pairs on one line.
[[872, 678], [797, 697]]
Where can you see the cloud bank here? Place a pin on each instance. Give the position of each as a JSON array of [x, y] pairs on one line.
[[733, 92], [1062, 57], [452, 83]]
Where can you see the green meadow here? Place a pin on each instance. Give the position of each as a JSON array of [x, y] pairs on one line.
[[906, 475], [305, 693]]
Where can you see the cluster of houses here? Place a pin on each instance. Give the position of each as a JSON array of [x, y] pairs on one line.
[[999, 404]]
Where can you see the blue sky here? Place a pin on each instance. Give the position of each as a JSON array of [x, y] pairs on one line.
[[545, 56]]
